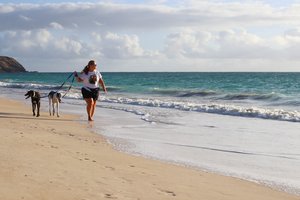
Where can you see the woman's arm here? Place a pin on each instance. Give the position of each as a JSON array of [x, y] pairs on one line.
[[101, 81], [78, 79]]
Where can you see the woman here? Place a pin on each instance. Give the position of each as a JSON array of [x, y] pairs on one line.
[[90, 90]]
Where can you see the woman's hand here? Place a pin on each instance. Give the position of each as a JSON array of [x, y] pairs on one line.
[[77, 77], [103, 85]]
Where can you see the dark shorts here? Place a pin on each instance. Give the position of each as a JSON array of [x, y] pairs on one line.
[[88, 93]]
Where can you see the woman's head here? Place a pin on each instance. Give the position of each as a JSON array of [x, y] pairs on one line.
[[92, 63], [91, 66]]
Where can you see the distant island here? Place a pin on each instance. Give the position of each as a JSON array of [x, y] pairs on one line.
[[10, 65]]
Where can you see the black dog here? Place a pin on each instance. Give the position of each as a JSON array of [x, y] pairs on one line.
[[35, 100]]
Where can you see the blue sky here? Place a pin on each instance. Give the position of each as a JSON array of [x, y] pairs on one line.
[[153, 35]]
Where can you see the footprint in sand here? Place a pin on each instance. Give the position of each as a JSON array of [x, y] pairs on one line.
[[126, 180], [167, 192], [110, 196], [111, 168], [38, 144], [208, 126]]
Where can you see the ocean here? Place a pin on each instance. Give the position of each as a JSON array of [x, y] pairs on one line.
[[244, 125]]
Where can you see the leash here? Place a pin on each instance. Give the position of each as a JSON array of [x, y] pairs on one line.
[[69, 87], [43, 96], [65, 82], [63, 85]]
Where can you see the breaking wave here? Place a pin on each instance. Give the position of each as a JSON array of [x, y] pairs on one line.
[[28, 86], [224, 109], [218, 103], [251, 96]]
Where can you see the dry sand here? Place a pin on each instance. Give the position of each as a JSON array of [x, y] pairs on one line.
[[61, 158]]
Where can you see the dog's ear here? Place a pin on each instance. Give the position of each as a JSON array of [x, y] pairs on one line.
[[27, 94]]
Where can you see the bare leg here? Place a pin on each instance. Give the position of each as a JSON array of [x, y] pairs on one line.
[[93, 108], [89, 105]]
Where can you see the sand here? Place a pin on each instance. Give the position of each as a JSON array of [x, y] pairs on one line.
[[61, 158]]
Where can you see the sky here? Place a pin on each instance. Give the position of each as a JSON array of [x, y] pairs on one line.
[[152, 35]]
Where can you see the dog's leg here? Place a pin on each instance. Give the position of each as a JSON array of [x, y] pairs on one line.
[[57, 109], [33, 109], [50, 106], [53, 109], [38, 105]]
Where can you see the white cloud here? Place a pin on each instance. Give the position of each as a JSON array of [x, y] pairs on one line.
[[6, 9], [189, 44], [96, 37], [193, 34], [119, 16], [42, 44], [38, 43], [25, 18], [56, 25], [223, 44], [121, 46], [234, 50], [68, 46], [42, 37]]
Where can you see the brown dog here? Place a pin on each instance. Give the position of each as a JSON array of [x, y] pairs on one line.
[[35, 101]]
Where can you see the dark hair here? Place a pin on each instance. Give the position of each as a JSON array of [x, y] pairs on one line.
[[86, 68]]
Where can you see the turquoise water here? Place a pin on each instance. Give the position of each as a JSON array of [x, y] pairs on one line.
[[263, 95], [166, 83]]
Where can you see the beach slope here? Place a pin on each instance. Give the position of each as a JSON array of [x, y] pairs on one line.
[[61, 158]]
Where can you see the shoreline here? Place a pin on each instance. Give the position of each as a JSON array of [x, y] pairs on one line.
[[61, 158]]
